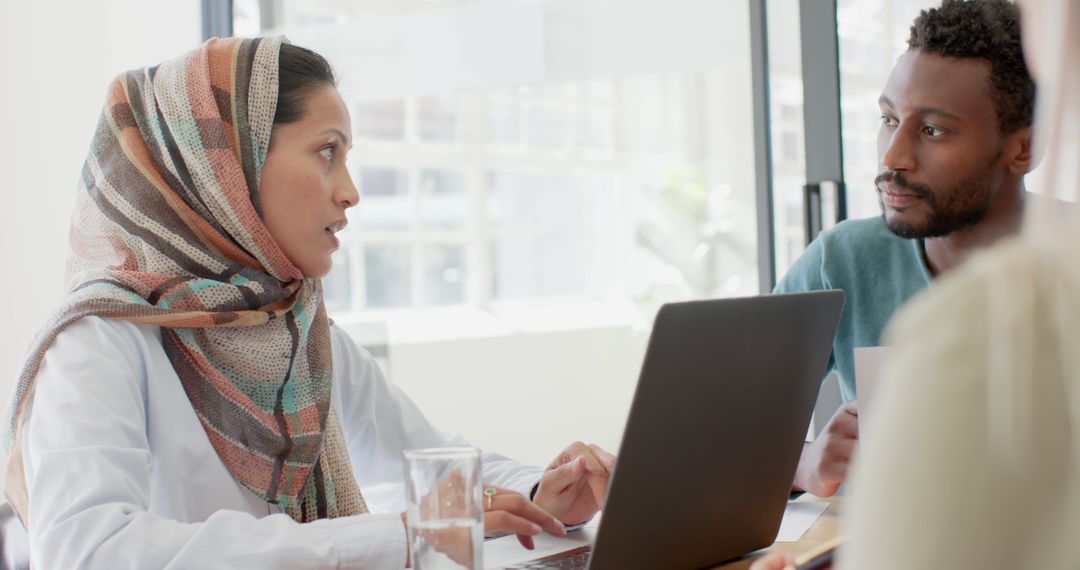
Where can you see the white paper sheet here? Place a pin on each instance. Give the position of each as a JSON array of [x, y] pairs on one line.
[[798, 518]]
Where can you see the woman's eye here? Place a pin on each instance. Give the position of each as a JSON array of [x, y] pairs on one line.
[[328, 153]]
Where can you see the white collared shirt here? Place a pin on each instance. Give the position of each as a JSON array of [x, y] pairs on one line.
[[121, 474]]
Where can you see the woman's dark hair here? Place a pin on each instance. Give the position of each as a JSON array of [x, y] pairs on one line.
[[300, 71]]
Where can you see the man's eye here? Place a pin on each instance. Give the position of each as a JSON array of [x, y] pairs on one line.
[[933, 131], [889, 121]]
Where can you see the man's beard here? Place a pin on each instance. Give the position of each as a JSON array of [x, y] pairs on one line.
[[964, 206]]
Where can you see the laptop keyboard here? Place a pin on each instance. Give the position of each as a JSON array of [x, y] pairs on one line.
[[571, 559]]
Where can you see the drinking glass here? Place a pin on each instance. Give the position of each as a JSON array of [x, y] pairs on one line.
[[446, 516]]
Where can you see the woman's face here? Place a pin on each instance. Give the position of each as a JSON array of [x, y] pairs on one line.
[[305, 187]]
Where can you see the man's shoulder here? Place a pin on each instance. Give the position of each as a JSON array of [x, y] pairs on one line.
[[851, 248], [859, 232], [861, 238]]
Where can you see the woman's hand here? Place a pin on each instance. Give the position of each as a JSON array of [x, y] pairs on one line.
[[573, 487], [505, 512], [508, 512]]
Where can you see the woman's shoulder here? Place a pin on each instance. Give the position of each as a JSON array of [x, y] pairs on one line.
[[92, 346], [97, 333], [107, 361], [1018, 289], [974, 376], [995, 281]]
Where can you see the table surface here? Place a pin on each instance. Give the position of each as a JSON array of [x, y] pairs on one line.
[[500, 552]]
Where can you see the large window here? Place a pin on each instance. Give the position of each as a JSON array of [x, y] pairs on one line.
[[607, 174], [536, 178], [873, 34], [787, 130], [475, 198]]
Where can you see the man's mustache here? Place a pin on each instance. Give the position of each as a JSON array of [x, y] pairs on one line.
[[898, 179]]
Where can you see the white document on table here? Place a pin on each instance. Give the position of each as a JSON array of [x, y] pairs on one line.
[[799, 516]]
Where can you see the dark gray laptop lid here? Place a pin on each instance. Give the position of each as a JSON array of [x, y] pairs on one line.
[[715, 429]]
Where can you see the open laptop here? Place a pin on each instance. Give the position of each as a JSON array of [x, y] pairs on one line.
[[715, 431]]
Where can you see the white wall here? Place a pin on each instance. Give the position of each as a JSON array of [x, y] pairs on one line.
[[526, 395], [58, 57]]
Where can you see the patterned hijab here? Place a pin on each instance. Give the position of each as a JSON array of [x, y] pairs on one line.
[[167, 231]]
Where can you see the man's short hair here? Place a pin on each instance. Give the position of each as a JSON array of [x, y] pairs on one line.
[[989, 30]]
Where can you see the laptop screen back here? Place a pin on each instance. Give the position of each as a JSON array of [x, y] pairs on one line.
[[715, 429]]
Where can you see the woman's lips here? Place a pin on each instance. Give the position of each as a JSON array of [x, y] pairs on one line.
[[333, 238], [333, 229]]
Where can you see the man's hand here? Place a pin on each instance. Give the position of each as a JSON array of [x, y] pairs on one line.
[[824, 463], [573, 487], [773, 561]]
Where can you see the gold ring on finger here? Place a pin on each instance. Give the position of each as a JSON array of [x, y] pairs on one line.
[[489, 498]]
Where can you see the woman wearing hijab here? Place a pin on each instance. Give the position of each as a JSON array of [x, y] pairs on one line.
[[191, 404], [975, 454]]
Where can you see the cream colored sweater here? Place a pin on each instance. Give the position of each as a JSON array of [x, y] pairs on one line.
[[971, 458]]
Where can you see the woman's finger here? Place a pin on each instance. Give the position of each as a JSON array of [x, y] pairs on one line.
[[503, 521], [526, 541], [606, 459], [516, 504], [592, 462], [564, 475], [570, 453], [599, 464]]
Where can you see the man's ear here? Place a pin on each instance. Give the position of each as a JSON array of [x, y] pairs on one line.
[[1019, 157]]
